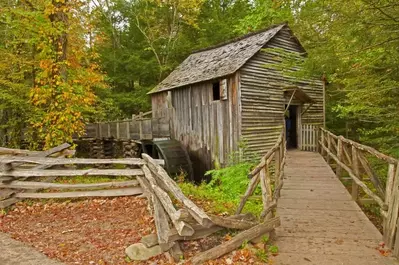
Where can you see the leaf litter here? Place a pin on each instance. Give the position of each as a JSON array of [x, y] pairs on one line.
[[97, 231]]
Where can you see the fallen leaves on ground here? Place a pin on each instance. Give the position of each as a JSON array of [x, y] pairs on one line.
[[97, 231]]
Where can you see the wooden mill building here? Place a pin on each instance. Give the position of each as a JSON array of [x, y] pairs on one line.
[[232, 96]]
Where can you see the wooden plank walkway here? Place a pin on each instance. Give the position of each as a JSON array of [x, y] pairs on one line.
[[320, 224]]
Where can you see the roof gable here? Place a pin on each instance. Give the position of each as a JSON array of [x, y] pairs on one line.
[[219, 61]]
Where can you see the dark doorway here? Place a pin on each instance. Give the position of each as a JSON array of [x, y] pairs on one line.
[[291, 126]]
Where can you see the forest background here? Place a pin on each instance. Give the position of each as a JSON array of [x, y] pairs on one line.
[[67, 62]]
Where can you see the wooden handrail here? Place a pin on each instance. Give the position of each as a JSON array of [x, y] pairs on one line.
[[353, 160], [362, 147], [261, 174], [263, 162]]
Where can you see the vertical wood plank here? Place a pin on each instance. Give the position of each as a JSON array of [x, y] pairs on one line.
[[329, 148], [355, 169], [311, 137], [277, 158], [127, 130], [321, 149], [100, 132], [395, 223], [117, 130], [340, 151], [392, 199]]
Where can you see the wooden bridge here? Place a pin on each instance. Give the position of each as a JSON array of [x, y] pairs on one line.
[[321, 223]]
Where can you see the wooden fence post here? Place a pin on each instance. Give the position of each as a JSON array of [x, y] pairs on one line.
[[340, 151], [394, 204], [117, 130], [322, 136], [392, 199], [128, 129], [355, 168], [329, 148], [277, 158]]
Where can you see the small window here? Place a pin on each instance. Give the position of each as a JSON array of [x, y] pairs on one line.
[[216, 90]]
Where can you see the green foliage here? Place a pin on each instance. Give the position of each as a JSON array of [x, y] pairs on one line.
[[262, 255], [244, 244], [273, 249], [357, 50], [230, 180], [216, 201], [265, 239]]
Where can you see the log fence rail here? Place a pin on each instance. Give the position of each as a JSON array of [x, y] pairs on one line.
[[176, 217]]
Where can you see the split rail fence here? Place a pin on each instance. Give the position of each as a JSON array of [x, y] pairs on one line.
[[26, 174], [356, 160], [32, 175]]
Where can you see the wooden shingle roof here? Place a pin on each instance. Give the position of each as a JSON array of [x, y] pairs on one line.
[[218, 61]]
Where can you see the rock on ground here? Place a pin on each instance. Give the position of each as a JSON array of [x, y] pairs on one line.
[[139, 251], [16, 253]]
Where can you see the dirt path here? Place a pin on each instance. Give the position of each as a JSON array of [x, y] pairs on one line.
[[16, 253], [320, 223]]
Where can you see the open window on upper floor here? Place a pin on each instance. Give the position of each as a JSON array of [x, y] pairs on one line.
[[219, 90]]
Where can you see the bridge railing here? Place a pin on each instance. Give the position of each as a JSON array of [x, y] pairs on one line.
[[356, 159], [137, 128], [270, 183]]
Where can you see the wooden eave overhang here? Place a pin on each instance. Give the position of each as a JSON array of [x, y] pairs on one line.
[[295, 92]]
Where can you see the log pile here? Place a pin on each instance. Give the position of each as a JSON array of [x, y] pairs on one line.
[[187, 221]]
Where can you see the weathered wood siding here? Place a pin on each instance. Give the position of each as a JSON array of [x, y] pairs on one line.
[[208, 129], [160, 105], [262, 96]]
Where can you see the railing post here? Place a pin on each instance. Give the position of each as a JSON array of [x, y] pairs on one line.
[[277, 158], [322, 136], [355, 168], [127, 129], [340, 151], [117, 130], [392, 200], [329, 148]]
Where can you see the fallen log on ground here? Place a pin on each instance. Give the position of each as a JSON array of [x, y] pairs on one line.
[[236, 241]]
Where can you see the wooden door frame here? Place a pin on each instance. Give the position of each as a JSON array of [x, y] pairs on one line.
[[299, 126]]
